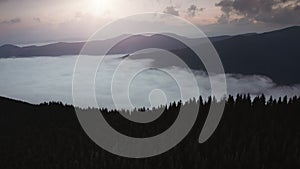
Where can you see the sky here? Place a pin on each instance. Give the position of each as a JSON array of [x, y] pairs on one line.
[[42, 21]]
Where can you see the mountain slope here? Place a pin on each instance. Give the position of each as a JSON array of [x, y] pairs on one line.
[[275, 54]]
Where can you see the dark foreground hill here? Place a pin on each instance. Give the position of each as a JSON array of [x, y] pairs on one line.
[[252, 135]]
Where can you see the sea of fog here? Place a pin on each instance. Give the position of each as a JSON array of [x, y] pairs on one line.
[[43, 79]]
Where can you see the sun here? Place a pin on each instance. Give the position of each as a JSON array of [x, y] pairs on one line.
[[98, 7]]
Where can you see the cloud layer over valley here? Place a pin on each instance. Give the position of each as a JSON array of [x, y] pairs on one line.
[[43, 79]]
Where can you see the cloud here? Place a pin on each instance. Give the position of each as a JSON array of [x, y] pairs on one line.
[[36, 19], [264, 11], [171, 10], [193, 9], [12, 21], [51, 80]]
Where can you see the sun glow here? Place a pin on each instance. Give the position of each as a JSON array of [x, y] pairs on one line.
[[100, 7]]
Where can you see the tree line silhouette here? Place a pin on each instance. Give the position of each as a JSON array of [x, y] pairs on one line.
[[253, 133]]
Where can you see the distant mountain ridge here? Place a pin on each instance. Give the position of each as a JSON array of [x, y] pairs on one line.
[[275, 54], [74, 48]]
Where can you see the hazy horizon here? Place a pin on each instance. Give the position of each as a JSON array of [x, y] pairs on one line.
[[75, 41]]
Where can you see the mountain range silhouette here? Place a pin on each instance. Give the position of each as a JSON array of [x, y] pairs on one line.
[[274, 54]]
